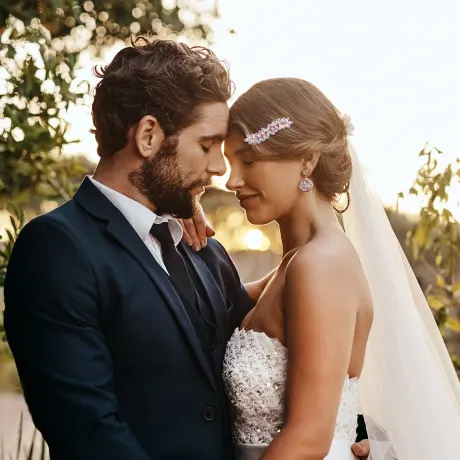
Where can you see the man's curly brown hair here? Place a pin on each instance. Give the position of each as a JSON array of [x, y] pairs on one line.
[[162, 78]]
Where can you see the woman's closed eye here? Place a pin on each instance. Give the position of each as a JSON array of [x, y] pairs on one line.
[[205, 149], [248, 160]]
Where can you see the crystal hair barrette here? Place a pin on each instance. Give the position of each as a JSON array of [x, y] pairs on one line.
[[272, 128]]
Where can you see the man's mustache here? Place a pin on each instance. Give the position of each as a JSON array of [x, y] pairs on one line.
[[200, 183]]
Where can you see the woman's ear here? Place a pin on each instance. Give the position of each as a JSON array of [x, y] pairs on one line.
[[310, 164], [148, 136]]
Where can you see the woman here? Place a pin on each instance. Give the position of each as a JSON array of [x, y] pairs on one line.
[[296, 369]]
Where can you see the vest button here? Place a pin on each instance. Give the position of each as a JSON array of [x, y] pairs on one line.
[[208, 413]]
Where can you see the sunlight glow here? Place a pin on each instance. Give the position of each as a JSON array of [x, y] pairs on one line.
[[256, 240]]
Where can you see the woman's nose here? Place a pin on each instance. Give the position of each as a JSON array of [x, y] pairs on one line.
[[235, 181]]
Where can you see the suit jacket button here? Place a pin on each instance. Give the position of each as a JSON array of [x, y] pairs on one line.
[[214, 348], [208, 413]]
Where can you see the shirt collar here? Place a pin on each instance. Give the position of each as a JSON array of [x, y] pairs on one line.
[[139, 216]]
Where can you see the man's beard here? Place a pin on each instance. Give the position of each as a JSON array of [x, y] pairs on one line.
[[161, 182]]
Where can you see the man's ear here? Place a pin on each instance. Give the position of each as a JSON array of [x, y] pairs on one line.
[[148, 136]]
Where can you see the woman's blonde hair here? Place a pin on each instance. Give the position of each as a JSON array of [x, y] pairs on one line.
[[318, 128]]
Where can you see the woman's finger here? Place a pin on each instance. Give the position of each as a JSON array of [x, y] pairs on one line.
[[191, 230], [185, 236], [200, 226], [209, 230]]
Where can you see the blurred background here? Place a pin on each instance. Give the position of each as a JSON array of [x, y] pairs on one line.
[[392, 66]]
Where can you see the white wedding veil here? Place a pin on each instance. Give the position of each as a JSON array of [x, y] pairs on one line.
[[409, 392]]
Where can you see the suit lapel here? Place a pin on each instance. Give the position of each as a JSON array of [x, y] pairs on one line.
[[212, 291], [97, 204]]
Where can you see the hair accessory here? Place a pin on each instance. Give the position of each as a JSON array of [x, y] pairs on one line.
[[349, 126], [272, 128]]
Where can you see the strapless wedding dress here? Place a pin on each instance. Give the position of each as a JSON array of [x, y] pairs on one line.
[[254, 376]]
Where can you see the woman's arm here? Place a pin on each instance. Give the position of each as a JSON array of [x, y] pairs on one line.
[[320, 315], [255, 288]]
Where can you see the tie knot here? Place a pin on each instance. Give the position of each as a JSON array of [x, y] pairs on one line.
[[162, 233]]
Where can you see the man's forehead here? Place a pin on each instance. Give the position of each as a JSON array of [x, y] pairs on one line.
[[212, 121], [213, 110]]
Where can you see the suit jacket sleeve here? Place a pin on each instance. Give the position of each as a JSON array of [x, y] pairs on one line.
[[53, 328], [361, 432]]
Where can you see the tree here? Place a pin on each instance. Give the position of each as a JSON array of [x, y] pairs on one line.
[[435, 241], [103, 22], [38, 92]]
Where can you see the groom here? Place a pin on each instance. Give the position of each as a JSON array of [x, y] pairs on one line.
[[119, 329]]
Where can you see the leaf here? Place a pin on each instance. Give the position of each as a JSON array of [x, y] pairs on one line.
[[438, 260], [440, 281], [10, 236], [454, 233], [452, 324], [30, 455], [20, 436], [434, 302], [423, 153], [456, 287], [43, 451], [13, 224]]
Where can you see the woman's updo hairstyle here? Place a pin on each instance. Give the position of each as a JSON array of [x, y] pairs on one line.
[[317, 127]]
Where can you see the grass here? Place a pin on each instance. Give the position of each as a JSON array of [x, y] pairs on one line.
[[26, 451]]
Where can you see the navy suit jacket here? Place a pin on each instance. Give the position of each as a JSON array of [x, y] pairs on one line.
[[109, 362]]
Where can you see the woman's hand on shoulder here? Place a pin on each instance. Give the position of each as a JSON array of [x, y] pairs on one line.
[[197, 230]]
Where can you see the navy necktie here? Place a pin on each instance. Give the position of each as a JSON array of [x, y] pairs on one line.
[[173, 261]]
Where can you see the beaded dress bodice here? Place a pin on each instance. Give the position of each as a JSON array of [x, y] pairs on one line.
[[254, 375]]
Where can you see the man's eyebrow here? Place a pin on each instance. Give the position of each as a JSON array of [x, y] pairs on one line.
[[213, 137]]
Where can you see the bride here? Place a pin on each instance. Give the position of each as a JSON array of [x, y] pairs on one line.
[[317, 308], [342, 328]]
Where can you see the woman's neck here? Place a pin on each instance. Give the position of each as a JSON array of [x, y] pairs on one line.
[[309, 215]]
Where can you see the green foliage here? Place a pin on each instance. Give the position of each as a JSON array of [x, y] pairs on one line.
[[37, 94], [17, 221], [102, 22], [435, 240]]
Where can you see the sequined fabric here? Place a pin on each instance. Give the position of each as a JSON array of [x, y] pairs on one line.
[[254, 375]]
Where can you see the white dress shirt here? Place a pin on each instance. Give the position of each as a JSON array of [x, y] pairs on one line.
[[142, 219]]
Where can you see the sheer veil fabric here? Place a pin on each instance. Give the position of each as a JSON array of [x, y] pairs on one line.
[[409, 392]]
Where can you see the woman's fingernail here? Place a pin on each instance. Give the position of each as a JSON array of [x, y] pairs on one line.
[[197, 247], [189, 242], [203, 243]]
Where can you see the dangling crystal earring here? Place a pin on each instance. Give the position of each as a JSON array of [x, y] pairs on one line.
[[305, 184]]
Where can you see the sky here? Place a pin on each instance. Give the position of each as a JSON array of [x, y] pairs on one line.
[[393, 66]]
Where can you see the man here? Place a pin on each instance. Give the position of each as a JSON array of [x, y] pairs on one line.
[[119, 329]]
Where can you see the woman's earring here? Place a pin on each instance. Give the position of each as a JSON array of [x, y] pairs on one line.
[[305, 184]]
